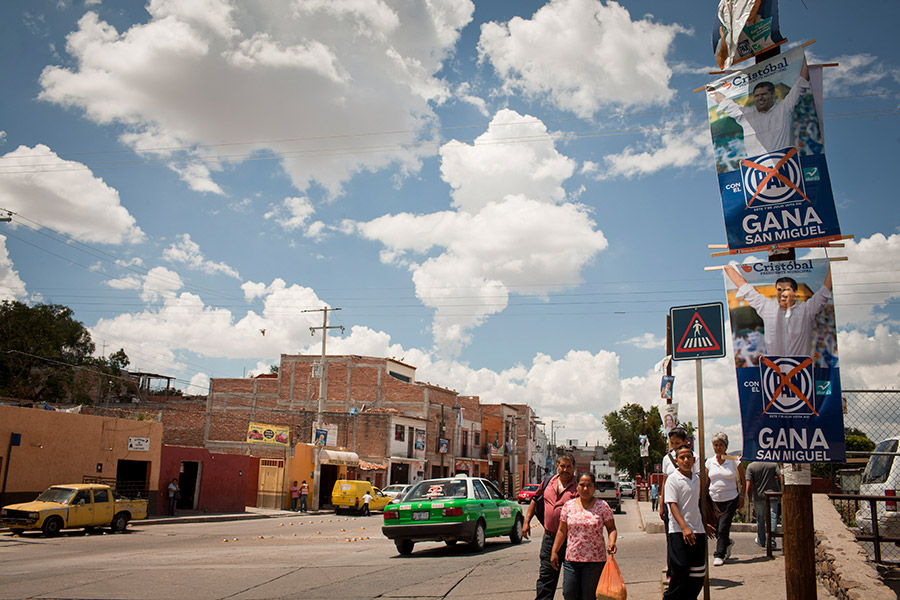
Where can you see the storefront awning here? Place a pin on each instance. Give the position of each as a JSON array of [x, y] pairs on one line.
[[336, 457]]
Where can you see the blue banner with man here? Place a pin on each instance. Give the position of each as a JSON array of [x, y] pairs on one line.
[[786, 360], [769, 148]]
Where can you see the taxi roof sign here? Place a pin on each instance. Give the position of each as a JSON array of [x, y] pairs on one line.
[[697, 331]]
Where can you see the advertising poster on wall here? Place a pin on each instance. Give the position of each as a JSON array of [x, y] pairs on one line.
[[420, 439], [263, 433], [786, 360], [769, 148]]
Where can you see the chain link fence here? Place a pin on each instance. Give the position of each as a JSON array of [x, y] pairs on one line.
[[870, 418]]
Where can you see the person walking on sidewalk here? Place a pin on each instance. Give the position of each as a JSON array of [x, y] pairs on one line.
[[561, 488], [581, 524], [654, 496], [725, 475], [763, 477], [686, 534]]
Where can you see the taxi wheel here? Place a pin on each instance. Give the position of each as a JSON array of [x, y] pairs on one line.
[[404, 547], [52, 526], [477, 543], [515, 536]]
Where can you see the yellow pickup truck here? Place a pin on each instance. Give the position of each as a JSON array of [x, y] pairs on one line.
[[73, 506]]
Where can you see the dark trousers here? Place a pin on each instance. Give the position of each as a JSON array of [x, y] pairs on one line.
[[294, 503], [548, 577], [580, 579], [665, 520], [303, 502], [688, 564], [172, 502], [723, 529], [365, 509]]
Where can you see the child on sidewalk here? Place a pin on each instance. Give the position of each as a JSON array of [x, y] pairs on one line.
[[687, 537]]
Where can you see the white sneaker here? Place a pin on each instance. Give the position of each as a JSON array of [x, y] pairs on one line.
[[728, 550], [718, 562]]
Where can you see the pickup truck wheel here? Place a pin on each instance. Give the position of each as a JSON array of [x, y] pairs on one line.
[[477, 543], [404, 547], [52, 526], [17, 531], [451, 542], [119, 523], [618, 508], [515, 536]]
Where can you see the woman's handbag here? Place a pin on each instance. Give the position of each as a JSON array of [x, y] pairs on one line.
[[611, 585]]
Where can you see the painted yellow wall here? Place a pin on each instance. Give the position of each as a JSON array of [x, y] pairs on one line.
[[60, 447]]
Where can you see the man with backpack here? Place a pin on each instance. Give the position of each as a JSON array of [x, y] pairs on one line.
[[547, 504]]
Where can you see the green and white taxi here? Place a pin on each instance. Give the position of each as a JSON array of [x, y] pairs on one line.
[[449, 510]]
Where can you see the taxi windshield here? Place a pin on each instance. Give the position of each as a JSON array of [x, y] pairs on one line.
[[437, 488], [57, 494]]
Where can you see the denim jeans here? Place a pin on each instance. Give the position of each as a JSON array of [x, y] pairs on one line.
[[294, 503], [303, 502], [548, 577], [759, 508], [580, 579]]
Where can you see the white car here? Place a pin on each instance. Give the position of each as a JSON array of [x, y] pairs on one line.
[[396, 491], [627, 489], [881, 478]]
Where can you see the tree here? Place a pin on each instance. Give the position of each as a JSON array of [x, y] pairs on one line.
[[39, 347], [624, 426], [854, 441]]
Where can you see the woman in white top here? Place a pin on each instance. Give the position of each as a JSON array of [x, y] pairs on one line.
[[726, 479]]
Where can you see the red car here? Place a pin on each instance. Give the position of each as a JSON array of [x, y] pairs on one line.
[[526, 493]]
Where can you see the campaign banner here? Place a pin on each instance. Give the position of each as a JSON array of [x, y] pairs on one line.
[[670, 416], [665, 386], [769, 147], [743, 28], [786, 360], [263, 433]]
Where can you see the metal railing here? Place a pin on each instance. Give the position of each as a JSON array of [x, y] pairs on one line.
[[876, 538]]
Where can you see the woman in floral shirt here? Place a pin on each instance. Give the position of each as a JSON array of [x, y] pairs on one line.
[[581, 523]]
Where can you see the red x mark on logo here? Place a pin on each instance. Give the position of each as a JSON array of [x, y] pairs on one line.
[[786, 381], [773, 172]]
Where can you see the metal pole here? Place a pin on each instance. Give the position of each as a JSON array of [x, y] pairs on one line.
[[702, 452]]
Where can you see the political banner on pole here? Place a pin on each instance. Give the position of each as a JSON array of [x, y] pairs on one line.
[[786, 360], [743, 28], [769, 147]]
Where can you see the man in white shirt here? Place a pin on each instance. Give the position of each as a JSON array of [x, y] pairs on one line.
[[788, 324], [766, 124]]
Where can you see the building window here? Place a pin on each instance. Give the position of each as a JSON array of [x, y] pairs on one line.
[[399, 433], [477, 442], [465, 442]]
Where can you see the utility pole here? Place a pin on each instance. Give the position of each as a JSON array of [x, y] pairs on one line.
[[321, 403]]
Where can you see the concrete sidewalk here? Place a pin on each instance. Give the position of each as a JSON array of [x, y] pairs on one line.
[[251, 513], [747, 574]]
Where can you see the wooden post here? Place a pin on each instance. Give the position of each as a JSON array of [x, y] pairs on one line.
[[799, 534]]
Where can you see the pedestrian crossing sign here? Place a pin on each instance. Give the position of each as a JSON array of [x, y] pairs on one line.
[[697, 331]]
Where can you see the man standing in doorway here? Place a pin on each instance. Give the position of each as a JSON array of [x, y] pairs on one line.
[[561, 488]]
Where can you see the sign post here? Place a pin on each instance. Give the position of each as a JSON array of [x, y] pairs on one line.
[[697, 332]]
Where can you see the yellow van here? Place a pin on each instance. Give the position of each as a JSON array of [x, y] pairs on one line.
[[348, 495]]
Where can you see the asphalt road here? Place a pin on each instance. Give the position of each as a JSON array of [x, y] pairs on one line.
[[287, 557]]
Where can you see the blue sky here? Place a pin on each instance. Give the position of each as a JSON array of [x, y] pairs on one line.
[[507, 195]]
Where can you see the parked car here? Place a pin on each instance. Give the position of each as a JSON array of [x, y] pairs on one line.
[[73, 506], [609, 491], [347, 495], [626, 488], [468, 509], [396, 490], [527, 493], [881, 478]]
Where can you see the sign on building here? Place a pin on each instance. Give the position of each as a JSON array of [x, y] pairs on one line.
[[139, 444], [273, 435]]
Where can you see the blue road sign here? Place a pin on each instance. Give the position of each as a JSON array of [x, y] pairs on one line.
[[697, 331]]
